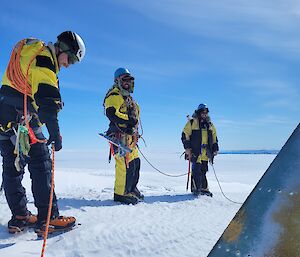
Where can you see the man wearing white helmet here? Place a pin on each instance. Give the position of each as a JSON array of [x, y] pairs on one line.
[[35, 65]]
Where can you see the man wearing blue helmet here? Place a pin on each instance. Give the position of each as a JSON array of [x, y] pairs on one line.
[[123, 113], [199, 138]]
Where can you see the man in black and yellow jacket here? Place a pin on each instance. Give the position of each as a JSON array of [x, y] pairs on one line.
[[123, 113], [199, 138], [35, 64]]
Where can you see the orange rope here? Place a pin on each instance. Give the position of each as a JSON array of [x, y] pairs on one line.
[[19, 81], [14, 71], [50, 205]]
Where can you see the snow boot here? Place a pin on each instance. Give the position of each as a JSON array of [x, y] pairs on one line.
[[18, 222], [138, 194], [196, 192], [206, 192], [129, 198], [58, 224]]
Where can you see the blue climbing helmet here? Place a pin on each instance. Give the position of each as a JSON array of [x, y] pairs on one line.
[[121, 71], [202, 107], [123, 77]]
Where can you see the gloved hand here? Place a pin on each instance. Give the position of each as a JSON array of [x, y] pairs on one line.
[[54, 135], [132, 121], [129, 130], [188, 154]]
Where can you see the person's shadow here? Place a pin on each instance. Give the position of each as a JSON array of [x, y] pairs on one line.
[[168, 198], [6, 245], [69, 203], [4, 235]]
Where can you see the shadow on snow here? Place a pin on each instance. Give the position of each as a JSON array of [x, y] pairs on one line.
[[68, 203]]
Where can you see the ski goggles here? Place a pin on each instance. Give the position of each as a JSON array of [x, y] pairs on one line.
[[72, 58]]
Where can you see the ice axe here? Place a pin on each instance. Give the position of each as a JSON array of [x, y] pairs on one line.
[[188, 175], [189, 165]]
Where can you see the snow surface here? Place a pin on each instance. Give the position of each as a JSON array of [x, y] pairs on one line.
[[171, 222]]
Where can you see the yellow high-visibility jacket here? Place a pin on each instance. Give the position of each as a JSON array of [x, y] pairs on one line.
[[46, 98], [201, 138], [119, 109]]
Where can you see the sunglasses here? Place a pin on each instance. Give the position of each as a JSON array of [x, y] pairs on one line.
[[127, 79]]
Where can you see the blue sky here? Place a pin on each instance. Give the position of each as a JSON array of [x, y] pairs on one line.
[[242, 58]]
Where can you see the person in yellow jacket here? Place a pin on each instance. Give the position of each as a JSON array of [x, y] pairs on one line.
[[199, 138], [35, 65], [123, 113]]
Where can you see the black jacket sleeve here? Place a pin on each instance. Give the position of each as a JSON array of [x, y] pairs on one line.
[[49, 102], [110, 113]]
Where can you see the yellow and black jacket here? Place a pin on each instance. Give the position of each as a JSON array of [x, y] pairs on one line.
[[120, 110], [201, 137], [45, 99]]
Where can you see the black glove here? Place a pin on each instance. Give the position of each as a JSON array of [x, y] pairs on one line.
[[54, 135], [128, 130], [132, 121]]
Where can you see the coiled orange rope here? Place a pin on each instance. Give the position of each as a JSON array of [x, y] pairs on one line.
[[14, 71], [19, 81]]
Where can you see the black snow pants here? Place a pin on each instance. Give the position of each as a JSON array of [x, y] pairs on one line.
[[39, 166], [199, 180]]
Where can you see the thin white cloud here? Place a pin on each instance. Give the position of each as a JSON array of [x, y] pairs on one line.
[[274, 120], [223, 122], [272, 25], [253, 123], [14, 19], [284, 103], [271, 87], [274, 93], [150, 69]]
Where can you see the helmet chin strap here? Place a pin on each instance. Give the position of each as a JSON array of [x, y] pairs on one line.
[[58, 51]]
